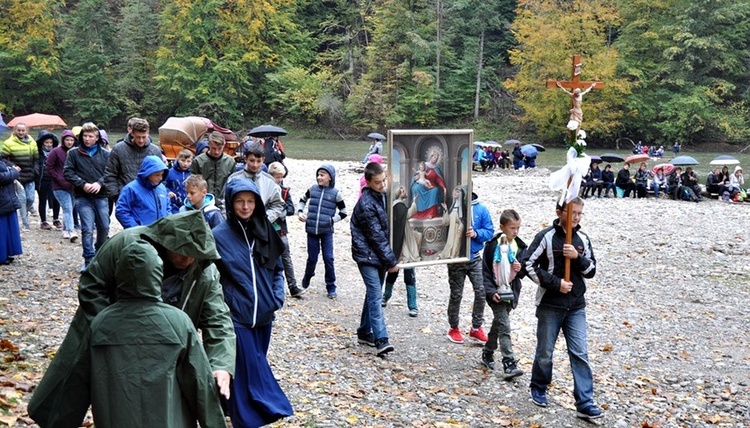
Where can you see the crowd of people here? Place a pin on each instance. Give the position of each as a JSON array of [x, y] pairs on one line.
[[212, 237], [678, 184], [489, 157]]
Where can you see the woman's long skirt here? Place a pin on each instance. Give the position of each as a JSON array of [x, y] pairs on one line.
[[10, 237]]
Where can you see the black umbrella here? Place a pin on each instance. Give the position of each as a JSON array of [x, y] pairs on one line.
[[539, 147], [611, 157], [376, 136], [267, 131]]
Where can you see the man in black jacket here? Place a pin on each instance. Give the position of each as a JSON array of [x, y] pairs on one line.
[[561, 306], [373, 255]]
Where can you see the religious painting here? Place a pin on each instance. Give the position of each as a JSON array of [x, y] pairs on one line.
[[429, 182]]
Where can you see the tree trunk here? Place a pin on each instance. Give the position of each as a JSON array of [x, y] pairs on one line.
[[479, 75], [438, 41]]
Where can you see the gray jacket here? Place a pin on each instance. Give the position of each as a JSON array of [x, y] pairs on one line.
[[269, 191], [125, 162]]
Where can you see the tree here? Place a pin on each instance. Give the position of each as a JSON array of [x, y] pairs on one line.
[[549, 33], [29, 55], [688, 64]]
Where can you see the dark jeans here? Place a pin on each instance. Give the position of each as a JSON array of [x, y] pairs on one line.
[[607, 185], [500, 330], [314, 245], [94, 212], [573, 325], [46, 195], [457, 273]]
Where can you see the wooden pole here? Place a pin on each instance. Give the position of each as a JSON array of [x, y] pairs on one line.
[[568, 233]]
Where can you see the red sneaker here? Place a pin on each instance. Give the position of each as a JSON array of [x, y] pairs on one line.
[[478, 335], [455, 336]]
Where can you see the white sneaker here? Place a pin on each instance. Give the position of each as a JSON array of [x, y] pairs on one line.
[[66, 234], [73, 237]]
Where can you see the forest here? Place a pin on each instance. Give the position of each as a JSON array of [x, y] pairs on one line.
[[673, 70]]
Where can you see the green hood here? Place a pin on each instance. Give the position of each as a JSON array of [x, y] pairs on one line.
[[184, 233], [140, 273]]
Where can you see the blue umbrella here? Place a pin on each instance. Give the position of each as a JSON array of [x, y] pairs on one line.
[[511, 142], [684, 161], [529, 151], [376, 136], [3, 126]]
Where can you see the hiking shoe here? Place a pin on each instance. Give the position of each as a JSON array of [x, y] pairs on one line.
[[539, 397], [295, 291], [46, 226], [366, 339], [73, 237], [455, 336], [414, 312], [590, 412], [488, 360], [57, 224], [510, 370], [384, 303], [384, 347], [478, 335]]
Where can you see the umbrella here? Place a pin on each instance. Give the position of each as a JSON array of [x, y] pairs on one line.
[[529, 151], [38, 120], [725, 160], [684, 161], [668, 168], [511, 142], [637, 158], [539, 147], [596, 159], [611, 157], [267, 131], [479, 143], [376, 136], [3, 126], [179, 133]]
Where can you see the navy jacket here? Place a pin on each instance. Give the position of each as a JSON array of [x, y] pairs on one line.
[[250, 265], [175, 184], [8, 199], [369, 228]]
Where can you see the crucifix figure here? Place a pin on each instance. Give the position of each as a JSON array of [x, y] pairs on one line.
[[575, 167], [576, 85]]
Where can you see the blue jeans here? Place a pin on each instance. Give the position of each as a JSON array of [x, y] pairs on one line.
[[65, 198], [26, 199], [573, 325], [372, 312], [93, 212], [314, 245]]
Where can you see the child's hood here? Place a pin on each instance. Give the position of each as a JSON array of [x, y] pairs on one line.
[[330, 170], [139, 273], [150, 165], [208, 200]]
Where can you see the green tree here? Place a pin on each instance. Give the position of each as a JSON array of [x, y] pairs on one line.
[[29, 55], [688, 64], [215, 54], [549, 33]]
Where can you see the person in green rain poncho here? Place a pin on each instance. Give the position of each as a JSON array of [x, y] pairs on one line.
[[187, 248]]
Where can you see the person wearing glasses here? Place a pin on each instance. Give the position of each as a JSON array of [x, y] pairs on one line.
[[561, 305]]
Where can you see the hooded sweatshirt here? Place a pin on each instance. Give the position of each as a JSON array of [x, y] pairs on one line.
[[146, 362], [211, 212], [44, 178], [55, 164], [270, 192], [61, 398], [140, 202], [250, 265], [175, 184]]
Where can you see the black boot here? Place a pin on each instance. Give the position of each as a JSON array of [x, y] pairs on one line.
[[488, 360], [510, 370]]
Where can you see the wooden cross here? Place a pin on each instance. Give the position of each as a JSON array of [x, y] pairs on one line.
[[574, 83]]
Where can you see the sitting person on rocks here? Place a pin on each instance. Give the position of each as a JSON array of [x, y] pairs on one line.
[[736, 181], [690, 180], [674, 182], [623, 180], [715, 182], [659, 182], [608, 181], [641, 180]]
